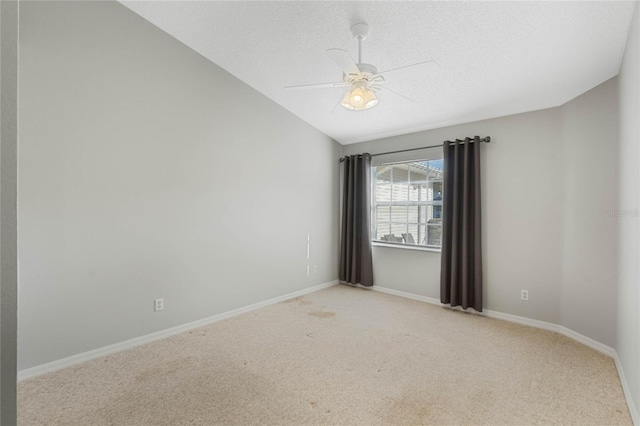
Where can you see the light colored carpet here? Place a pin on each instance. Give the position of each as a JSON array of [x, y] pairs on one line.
[[339, 356]]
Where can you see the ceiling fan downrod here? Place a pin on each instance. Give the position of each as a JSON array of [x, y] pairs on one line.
[[360, 32]]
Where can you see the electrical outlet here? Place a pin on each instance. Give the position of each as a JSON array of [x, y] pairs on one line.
[[158, 304], [314, 269], [524, 294]]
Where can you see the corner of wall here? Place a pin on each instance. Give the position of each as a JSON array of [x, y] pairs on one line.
[[628, 316]]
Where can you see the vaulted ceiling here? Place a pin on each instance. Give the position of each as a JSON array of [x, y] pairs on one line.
[[495, 58]]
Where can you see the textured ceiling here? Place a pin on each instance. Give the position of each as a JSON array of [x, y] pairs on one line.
[[496, 58]]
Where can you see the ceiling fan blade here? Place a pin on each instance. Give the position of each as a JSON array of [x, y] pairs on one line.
[[318, 86], [336, 105], [411, 71], [398, 94], [344, 61]]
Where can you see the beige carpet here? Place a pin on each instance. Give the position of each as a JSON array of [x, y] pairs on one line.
[[339, 356]]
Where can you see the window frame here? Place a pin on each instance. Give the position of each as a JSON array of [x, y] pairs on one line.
[[426, 204]]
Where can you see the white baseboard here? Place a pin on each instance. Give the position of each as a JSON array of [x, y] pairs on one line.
[[600, 347], [406, 295], [587, 341], [633, 410], [117, 347]]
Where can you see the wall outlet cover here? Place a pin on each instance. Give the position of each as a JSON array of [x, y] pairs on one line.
[[158, 304]]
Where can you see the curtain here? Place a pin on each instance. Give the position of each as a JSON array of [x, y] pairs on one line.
[[356, 266], [461, 269]]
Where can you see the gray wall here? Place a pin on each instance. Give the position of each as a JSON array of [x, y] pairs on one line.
[[146, 171], [628, 249], [521, 215], [548, 178], [590, 235], [8, 208]]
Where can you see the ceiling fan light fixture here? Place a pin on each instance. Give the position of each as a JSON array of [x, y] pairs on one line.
[[373, 101], [359, 98], [363, 79]]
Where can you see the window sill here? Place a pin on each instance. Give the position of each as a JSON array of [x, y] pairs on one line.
[[405, 247]]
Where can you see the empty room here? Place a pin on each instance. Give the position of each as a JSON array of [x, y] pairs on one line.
[[317, 212]]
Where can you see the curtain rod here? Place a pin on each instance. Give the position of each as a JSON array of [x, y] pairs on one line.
[[486, 139]]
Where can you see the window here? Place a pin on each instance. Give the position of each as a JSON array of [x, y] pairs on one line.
[[407, 203]]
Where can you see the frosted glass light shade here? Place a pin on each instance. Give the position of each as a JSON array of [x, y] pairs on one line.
[[359, 98]]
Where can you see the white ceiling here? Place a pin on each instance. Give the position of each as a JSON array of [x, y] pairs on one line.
[[496, 58]]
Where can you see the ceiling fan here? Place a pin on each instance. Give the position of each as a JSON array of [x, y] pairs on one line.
[[364, 80]]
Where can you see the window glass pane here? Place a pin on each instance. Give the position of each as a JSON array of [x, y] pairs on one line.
[[434, 191], [400, 192], [382, 229], [412, 236], [383, 183], [434, 235], [397, 229], [418, 171], [435, 169], [422, 214], [383, 173], [437, 214], [400, 173], [383, 214], [413, 214], [399, 214], [421, 234], [383, 192], [418, 191], [429, 210]]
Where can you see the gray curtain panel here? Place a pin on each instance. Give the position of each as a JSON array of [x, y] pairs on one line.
[[356, 266], [461, 271]]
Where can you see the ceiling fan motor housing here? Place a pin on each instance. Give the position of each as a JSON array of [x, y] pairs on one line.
[[367, 72]]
